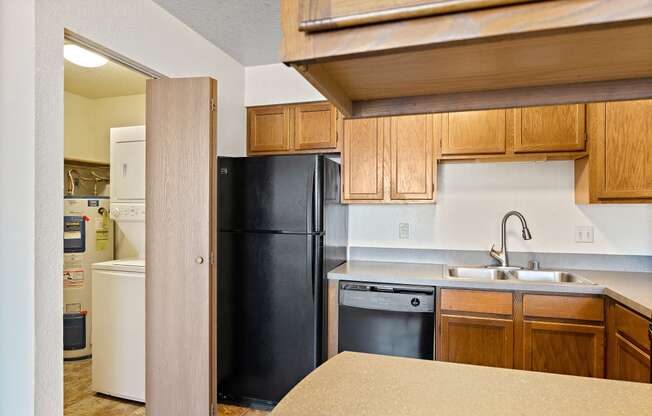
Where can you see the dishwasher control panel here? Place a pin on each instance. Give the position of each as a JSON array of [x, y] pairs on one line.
[[397, 298]]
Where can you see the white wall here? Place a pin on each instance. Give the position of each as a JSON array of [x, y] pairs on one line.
[[277, 84], [31, 162], [472, 199], [17, 207], [87, 123]]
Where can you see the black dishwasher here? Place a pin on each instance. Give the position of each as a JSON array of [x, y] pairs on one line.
[[387, 319]]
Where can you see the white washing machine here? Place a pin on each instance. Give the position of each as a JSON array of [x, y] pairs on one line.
[[119, 328]]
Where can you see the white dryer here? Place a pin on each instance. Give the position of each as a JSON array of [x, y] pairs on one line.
[[119, 328]]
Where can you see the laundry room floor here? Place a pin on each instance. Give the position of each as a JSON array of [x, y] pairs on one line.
[[80, 400]]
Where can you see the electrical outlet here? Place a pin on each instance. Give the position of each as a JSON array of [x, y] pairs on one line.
[[584, 234], [404, 231]]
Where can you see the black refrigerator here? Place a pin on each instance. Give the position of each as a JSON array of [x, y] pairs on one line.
[[281, 228]]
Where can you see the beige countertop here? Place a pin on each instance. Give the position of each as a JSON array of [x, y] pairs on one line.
[[631, 289], [365, 385]]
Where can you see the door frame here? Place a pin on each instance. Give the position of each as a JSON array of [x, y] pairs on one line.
[[116, 57]]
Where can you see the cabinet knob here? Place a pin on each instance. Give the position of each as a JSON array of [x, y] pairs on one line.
[[199, 260]]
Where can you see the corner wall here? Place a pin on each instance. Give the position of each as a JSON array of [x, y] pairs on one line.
[[17, 207]]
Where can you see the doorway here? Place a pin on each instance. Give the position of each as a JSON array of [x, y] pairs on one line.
[[104, 231]]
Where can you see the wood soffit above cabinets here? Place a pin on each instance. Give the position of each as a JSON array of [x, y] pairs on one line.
[[377, 57]]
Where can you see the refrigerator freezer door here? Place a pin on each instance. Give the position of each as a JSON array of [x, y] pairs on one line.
[[272, 193], [267, 314]]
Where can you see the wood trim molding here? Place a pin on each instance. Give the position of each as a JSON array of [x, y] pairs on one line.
[[626, 89], [322, 23]]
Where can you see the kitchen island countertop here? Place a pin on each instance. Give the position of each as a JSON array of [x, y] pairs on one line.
[[629, 288], [365, 385]]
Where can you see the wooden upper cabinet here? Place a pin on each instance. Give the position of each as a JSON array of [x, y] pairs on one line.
[[362, 160], [473, 132], [269, 129], [627, 149], [564, 348], [619, 165], [411, 157], [293, 128], [390, 160], [550, 129], [315, 126]]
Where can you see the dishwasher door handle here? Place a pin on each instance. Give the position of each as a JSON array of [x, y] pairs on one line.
[[388, 301]]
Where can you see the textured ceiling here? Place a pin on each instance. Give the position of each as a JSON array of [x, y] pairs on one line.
[[110, 80], [248, 30]]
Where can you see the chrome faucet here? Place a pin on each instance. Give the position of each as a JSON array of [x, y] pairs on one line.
[[501, 255]]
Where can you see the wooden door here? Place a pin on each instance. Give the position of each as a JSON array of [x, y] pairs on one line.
[[477, 340], [474, 132], [315, 126], [625, 150], [181, 236], [411, 157], [563, 348], [269, 128], [362, 160], [628, 362], [560, 128]]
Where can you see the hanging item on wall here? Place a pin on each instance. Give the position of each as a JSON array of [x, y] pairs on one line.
[[102, 230]]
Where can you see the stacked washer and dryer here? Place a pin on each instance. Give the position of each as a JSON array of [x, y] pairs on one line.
[[118, 286]]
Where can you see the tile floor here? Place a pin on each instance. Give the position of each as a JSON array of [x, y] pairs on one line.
[[80, 400]]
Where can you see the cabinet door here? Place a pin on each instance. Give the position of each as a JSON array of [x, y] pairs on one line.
[[475, 340], [558, 128], [411, 157], [362, 159], [563, 348], [473, 132], [128, 171], [628, 362], [269, 129], [625, 151], [315, 126]]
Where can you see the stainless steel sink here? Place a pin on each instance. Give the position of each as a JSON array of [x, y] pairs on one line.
[[477, 273], [500, 273], [552, 276]]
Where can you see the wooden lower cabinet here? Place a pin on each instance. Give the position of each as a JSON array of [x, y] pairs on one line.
[[562, 334], [563, 348], [628, 362], [628, 349], [477, 340]]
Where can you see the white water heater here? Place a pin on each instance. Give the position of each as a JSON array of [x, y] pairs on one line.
[[87, 239]]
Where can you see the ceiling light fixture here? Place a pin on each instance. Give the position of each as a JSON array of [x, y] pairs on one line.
[[83, 57]]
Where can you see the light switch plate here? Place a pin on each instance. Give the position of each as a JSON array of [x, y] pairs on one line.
[[404, 231], [584, 234]]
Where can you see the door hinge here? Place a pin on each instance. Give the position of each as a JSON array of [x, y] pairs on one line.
[[213, 105], [212, 410]]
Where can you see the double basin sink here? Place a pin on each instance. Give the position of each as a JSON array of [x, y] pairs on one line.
[[498, 273]]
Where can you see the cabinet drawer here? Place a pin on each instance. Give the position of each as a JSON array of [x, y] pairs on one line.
[[633, 327], [478, 301], [586, 308]]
